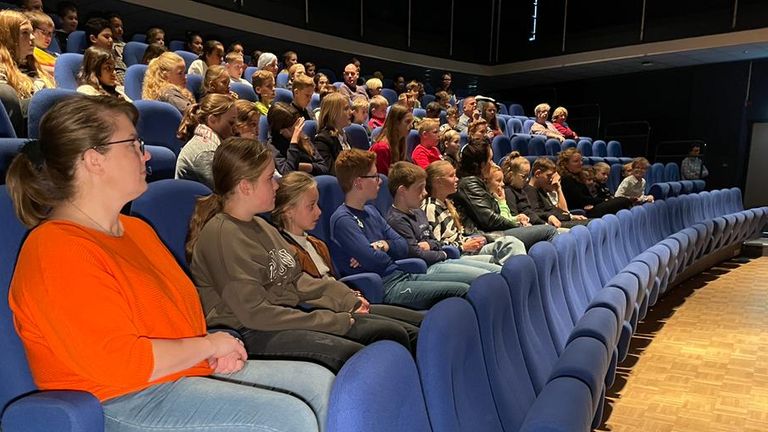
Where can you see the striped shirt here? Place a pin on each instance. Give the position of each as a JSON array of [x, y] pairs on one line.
[[443, 226]]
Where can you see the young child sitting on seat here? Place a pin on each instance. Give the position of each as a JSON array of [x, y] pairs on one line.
[[633, 186], [378, 106], [358, 230], [407, 184], [602, 171], [427, 151]]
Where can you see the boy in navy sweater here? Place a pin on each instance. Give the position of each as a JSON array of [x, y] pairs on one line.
[[359, 231], [407, 184]]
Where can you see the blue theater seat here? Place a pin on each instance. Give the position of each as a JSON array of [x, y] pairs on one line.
[[134, 81], [396, 404], [599, 148], [133, 53], [23, 407], [552, 147], [614, 149], [158, 123], [519, 143], [66, 70], [501, 147], [244, 91], [41, 102], [357, 137]]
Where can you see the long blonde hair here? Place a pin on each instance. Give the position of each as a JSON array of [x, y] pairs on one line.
[[198, 113], [292, 187], [24, 85], [156, 77], [331, 108]]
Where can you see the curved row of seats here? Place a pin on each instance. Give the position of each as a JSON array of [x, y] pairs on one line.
[[527, 349], [665, 190], [534, 346]]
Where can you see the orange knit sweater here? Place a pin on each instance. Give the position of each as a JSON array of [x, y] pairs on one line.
[[86, 305]]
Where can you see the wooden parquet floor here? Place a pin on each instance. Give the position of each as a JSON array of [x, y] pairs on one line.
[[699, 361]]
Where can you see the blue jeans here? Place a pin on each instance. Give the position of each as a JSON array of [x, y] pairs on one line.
[[531, 235], [421, 290], [503, 248], [463, 269], [263, 396]]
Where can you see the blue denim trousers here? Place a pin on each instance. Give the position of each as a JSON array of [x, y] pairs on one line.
[[272, 395]]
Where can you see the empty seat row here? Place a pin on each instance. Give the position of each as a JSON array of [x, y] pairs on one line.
[[665, 190]]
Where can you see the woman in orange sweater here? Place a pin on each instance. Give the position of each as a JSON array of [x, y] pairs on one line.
[[101, 305]]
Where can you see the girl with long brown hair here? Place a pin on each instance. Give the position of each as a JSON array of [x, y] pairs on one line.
[[389, 143], [249, 277], [285, 124]]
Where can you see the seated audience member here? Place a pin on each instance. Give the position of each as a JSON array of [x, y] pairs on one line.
[[373, 87], [20, 74], [469, 115], [321, 81], [166, 80], [414, 92], [287, 137], [449, 147], [235, 67], [480, 206], [290, 58], [31, 5], [451, 120], [389, 144], [153, 51], [97, 75], [42, 28], [216, 80], [526, 231], [576, 192], [236, 47], [544, 182], [329, 89], [378, 106], [296, 213], [478, 129], [155, 35], [98, 33], [446, 225], [407, 183], [360, 108], [263, 83], [303, 89], [398, 85], [247, 122], [692, 167], [249, 279], [142, 348], [204, 126], [116, 24], [626, 170], [559, 116], [213, 52], [331, 139], [433, 110], [443, 99], [67, 11], [255, 58], [588, 178], [487, 108], [310, 69], [359, 231], [445, 84], [349, 88], [294, 71], [542, 127], [601, 172], [633, 186], [268, 62], [516, 169], [427, 151], [194, 43]]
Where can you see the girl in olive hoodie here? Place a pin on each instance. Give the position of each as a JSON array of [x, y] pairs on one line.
[[249, 278]]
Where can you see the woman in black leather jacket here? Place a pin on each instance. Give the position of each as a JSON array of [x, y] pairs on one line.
[[477, 205]]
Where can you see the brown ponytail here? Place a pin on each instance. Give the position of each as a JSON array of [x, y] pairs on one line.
[[196, 114], [43, 174], [235, 159]]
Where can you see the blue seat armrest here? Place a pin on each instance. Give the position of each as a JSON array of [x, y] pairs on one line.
[[564, 404], [452, 251], [412, 265], [598, 323], [585, 359], [71, 411], [367, 283]]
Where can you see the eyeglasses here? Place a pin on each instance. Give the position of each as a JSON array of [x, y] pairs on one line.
[[129, 140], [45, 33]]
